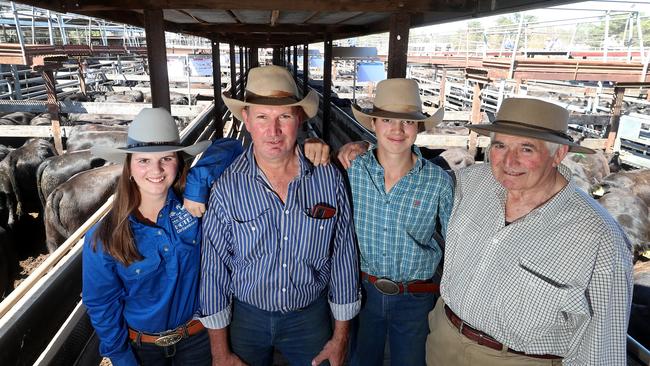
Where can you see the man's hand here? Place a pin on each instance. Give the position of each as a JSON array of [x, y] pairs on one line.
[[197, 209], [230, 359], [335, 349], [317, 151], [350, 151]]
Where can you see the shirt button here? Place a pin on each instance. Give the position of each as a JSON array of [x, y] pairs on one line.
[[166, 248], [284, 265], [286, 212], [137, 271], [286, 238], [159, 232], [253, 228], [193, 241], [284, 289]]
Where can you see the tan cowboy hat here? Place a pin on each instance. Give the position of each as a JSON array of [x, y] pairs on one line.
[[532, 118], [271, 85], [152, 130], [398, 99]]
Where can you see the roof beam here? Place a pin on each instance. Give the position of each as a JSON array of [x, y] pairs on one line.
[[285, 5], [266, 28]]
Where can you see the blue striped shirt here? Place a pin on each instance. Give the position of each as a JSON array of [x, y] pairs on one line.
[[396, 230], [274, 255]]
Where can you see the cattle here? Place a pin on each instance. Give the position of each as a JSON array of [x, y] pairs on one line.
[[58, 169], [86, 136], [16, 118], [23, 165], [45, 119], [457, 158], [4, 151], [100, 119], [8, 262], [635, 181], [73, 202], [8, 202], [587, 169], [132, 96], [630, 212]]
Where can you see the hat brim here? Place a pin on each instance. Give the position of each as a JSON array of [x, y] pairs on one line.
[[365, 118], [117, 154], [309, 103], [486, 129]]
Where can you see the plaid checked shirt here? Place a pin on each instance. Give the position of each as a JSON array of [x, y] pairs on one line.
[[556, 281], [396, 230]]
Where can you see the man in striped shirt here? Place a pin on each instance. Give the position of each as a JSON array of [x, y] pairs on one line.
[[278, 248]]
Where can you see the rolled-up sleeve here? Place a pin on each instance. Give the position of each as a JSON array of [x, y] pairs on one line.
[[344, 293], [216, 286], [102, 294]]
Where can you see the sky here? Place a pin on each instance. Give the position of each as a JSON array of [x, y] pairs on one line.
[[578, 10]]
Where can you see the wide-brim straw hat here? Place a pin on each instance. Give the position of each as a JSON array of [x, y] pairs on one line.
[[532, 118], [153, 130], [271, 86], [397, 99]]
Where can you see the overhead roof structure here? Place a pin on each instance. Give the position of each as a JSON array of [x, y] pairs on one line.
[[278, 23]]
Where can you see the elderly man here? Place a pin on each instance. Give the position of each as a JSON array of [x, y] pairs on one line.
[[277, 240], [536, 272]]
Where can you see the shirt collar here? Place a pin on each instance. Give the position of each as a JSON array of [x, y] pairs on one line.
[[371, 159], [170, 202]]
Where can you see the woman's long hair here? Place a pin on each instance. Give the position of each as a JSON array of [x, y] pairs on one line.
[[114, 230]]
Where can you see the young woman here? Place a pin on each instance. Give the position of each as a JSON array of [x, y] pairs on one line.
[[141, 262]]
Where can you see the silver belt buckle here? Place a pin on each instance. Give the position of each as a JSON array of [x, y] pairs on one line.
[[386, 286], [168, 340]]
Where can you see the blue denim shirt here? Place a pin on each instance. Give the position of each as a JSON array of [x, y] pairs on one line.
[[155, 294]]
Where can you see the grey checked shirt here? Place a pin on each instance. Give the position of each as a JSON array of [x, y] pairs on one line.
[[556, 281]]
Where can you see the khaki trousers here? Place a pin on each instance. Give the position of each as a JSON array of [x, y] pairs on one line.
[[447, 347]]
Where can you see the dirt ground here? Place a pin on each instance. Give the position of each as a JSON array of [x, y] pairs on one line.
[[27, 266]]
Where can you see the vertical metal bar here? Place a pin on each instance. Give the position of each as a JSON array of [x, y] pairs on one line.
[[33, 28], [16, 76], [80, 70], [19, 32], [216, 87], [188, 70], [354, 82], [513, 58], [157, 57], [443, 86], [327, 86], [233, 72], [475, 117], [606, 40], [49, 27], [64, 37], [398, 43], [241, 71], [305, 68]]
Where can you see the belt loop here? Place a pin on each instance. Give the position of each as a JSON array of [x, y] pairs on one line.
[[460, 328], [504, 349], [138, 339], [186, 333]]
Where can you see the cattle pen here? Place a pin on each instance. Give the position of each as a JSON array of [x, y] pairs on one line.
[[101, 62]]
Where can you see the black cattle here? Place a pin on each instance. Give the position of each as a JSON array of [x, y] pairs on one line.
[[73, 202], [8, 202], [8, 262], [23, 164], [16, 118], [45, 119], [4, 151], [640, 312], [58, 169], [86, 136]]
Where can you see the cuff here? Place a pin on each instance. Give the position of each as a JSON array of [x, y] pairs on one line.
[[126, 358], [218, 320], [343, 312], [196, 193]]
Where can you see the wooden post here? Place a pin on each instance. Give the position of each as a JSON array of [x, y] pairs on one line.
[[443, 86], [157, 56], [612, 129], [254, 57], [398, 43], [216, 87], [305, 69], [81, 66], [47, 72], [475, 117], [327, 86], [295, 62]]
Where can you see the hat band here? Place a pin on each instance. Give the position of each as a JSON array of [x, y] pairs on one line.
[[154, 143], [544, 129], [395, 108]]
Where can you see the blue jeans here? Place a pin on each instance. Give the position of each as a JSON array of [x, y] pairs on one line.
[[194, 350], [299, 335], [402, 317]]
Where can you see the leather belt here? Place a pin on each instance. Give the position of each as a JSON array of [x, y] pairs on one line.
[[390, 287], [169, 337], [484, 339]]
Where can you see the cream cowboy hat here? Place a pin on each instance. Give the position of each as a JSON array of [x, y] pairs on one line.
[[398, 99], [152, 130], [271, 85], [532, 118]]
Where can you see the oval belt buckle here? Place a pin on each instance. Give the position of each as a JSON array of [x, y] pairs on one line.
[[386, 286], [168, 340]]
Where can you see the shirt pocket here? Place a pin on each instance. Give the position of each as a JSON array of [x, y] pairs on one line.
[[531, 305], [142, 279], [256, 233], [315, 239]]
